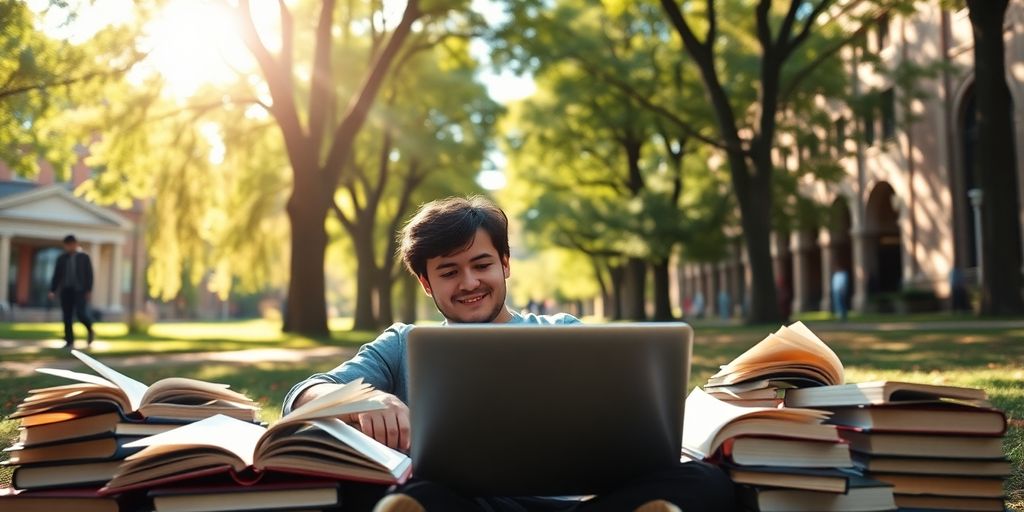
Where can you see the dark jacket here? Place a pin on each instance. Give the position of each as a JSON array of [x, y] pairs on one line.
[[83, 272]]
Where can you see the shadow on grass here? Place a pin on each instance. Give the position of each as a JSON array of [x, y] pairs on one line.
[[114, 340]]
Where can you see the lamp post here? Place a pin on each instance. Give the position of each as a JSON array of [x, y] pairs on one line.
[[976, 195]]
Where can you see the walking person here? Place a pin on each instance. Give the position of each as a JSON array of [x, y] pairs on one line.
[[840, 292], [72, 279]]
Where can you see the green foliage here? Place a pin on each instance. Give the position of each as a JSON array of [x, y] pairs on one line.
[[43, 80]]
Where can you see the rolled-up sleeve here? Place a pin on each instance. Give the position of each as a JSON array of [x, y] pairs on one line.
[[380, 363]]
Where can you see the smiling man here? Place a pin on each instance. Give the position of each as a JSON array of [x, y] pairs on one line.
[[458, 250]]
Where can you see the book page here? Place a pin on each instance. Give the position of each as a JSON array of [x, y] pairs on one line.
[[236, 436], [81, 377], [134, 389], [336, 403], [364, 444], [705, 416], [787, 347], [173, 387]]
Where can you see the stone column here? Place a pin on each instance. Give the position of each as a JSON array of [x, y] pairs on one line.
[[825, 240], [115, 278], [5, 266], [99, 279], [800, 245], [862, 267]]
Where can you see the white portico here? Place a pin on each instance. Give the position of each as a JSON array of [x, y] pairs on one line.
[[33, 221]]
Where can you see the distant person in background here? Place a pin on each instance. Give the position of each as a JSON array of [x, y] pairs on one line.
[[698, 304], [72, 279], [724, 304], [840, 292]]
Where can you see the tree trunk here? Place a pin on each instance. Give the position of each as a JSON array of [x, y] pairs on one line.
[[634, 288], [385, 289], [306, 309], [995, 163], [617, 273], [756, 218], [662, 302], [366, 278], [410, 294]]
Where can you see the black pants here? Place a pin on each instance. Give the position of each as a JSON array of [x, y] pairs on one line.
[[73, 301], [692, 486]]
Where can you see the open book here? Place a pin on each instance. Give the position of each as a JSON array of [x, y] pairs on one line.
[[709, 422], [311, 440], [172, 400], [791, 353]]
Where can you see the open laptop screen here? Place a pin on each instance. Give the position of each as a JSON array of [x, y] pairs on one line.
[[546, 410]]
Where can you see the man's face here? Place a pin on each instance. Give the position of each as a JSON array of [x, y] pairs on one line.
[[469, 286], [70, 246]]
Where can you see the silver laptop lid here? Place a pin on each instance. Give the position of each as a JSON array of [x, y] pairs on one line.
[[546, 410]]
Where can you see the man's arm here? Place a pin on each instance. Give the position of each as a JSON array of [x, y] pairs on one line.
[[58, 272], [379, 364], [389, 426]]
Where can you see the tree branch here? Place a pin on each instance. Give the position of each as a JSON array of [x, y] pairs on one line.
[[321, 96], [359, 107], [633, 94], [5, 92]]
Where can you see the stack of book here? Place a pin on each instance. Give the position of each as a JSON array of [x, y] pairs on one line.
[[784, 459], [222, 463], [941, 447], [792, 357], [74, 437]]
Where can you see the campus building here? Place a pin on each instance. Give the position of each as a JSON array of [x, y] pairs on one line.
[[35, 216], [902, 219]]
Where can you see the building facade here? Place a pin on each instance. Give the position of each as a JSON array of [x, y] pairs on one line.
[[904, 219], [35, 216]]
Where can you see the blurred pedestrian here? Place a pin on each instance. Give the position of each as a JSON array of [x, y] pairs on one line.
[[840, 292], [72, 279]]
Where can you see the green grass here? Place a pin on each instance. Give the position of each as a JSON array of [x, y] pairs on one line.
[[992, 359], [170, 337]]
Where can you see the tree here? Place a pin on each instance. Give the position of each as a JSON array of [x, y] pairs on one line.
[[44, 79], [995, 163], [781, 34], [611, 145], [433, 125]]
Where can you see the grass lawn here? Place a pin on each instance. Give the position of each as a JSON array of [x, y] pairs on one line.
[[170, 337], [992, 359]]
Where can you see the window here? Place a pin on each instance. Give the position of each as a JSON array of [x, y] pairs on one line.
[[869, 125], [888, 114], [840, 129]]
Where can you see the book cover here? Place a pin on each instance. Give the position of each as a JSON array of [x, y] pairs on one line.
[[55, 475], [281, 494], [934, 418], [879, 392]]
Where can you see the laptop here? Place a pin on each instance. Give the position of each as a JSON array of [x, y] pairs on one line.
[[529, 410]]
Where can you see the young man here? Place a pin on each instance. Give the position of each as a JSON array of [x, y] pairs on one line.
[[72, 276], [458, 250]]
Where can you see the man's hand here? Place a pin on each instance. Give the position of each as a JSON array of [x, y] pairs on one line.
[[389, 426], [88, 296]]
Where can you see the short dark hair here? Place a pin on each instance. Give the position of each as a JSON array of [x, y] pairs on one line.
[[447, 226], [70, 239]]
